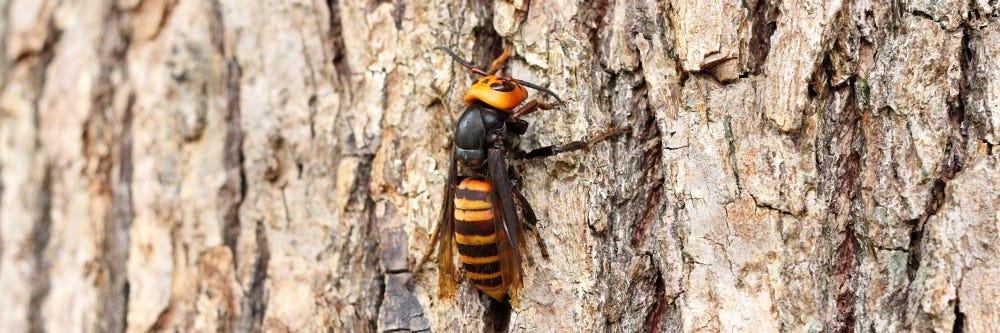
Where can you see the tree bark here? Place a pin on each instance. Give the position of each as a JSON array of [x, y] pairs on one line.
[[817, 165]]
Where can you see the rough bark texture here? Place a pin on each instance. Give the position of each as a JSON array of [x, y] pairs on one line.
[[816, 165]]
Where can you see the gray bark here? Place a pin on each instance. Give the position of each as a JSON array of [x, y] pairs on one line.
[[820, 165]]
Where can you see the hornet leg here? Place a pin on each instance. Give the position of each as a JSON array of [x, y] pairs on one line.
[[531, 220], [499, 62], [531, 106], [571, 146], [427, 254]]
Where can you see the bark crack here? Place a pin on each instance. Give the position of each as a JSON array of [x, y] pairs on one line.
[[488, 42], [114, 294], [845, 266], [950, 165], [233, 191], [4, 70], [254, 304], [845, 162], [764, 16], [657, 312], [284, 203], [335, 36], [313, 94], [731, 144], [370, 257], [41, 232], [764, 205], [651, 198], [117, 237], [597, 16], [959, 325]]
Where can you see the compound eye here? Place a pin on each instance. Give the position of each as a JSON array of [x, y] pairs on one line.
[[504, 86]]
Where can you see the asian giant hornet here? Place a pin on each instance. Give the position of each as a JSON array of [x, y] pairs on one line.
[[480, 205]]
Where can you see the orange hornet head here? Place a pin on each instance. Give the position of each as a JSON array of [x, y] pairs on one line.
[[500, 92], [496, 92]]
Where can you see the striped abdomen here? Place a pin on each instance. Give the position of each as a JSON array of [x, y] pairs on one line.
[[476, 236]]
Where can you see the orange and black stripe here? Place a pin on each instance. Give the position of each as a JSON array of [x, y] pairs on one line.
[[475, 235]]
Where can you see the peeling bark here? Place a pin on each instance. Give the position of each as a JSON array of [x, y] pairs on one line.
[[175, 165]]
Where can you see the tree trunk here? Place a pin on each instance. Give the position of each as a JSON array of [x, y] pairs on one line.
[[179, 165]]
